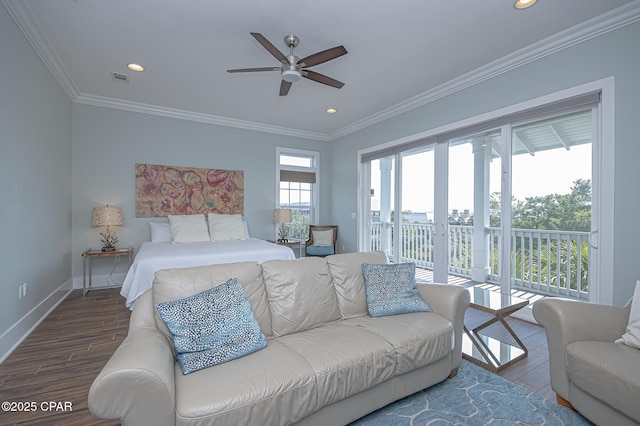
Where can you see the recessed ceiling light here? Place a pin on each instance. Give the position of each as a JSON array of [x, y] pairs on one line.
[[523, 4], [135, 67], [332, 110]]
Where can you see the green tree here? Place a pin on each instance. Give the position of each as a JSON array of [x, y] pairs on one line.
[[494, 209], [565, 212]]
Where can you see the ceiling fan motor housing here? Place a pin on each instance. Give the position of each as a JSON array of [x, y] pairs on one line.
[[291, 71]]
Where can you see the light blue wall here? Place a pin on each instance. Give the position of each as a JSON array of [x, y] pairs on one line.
[[35, 171], [613, 54], [107, 143]]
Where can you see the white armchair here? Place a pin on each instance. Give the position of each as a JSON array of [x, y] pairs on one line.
[[589, 372]]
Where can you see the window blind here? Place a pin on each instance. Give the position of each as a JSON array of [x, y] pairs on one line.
[[295, 176]]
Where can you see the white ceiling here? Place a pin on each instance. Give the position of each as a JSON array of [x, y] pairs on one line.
[[401, 54]]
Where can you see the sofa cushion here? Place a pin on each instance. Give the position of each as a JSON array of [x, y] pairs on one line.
[[174, 284], [346, 270], [301, 295], [608, 371], [419, 339], [274, 386], [346, 360], [391, 289], [212, 327]]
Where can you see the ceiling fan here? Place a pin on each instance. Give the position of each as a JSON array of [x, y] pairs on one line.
[[293, 68]]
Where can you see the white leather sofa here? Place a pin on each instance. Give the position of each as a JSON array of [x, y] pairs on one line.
[[597, 377], [326, 361]]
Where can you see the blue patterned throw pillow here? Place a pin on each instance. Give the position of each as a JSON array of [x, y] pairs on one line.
[[391, 289], [212, 327]]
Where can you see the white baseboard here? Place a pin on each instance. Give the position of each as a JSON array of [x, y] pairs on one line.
[[19, 331]]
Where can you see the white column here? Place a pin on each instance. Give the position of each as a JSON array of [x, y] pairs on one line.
[[481, 162], [386, 165]]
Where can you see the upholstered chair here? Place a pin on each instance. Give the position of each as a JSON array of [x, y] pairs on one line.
[[589, 371], [322, 240]]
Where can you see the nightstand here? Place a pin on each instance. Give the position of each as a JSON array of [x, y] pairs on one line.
[[299, 244], [90, 254]]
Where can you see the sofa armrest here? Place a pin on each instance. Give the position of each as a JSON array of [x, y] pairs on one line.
[[567, 321], [451, 302], [137, 384]]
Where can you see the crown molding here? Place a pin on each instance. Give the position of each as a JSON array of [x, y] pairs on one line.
[[587, 30], [143, 108], [28, 23]]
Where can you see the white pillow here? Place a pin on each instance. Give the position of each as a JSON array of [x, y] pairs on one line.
[[323, 238], [189, 228], [225, 227], [160, 232], [632, 335]]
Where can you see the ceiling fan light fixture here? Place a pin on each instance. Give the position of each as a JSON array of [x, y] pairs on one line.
[[331, 110], [523, 4], [291, 76]]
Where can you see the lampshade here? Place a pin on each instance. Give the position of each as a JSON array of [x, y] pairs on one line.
[[106, 216], [281, 215]]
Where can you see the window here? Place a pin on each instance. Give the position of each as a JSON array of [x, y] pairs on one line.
[[297, 177]]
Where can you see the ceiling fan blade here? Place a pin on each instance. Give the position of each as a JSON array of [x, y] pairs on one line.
[[324, 56], [284, 88], [270, 48], [255, 69], [321, 78]]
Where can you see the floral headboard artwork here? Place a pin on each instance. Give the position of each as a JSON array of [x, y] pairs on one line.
[[165, 190]]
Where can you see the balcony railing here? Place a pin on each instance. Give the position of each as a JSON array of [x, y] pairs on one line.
[[544, 262]]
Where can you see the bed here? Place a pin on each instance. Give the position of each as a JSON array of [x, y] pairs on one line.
[[154, 256]]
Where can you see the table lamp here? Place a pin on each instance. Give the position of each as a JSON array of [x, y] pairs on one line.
[[107, 216], [282, 216]]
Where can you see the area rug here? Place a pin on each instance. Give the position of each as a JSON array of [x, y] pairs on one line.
[[474, 397]]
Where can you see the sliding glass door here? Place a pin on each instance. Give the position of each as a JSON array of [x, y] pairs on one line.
[[418, 231], [551, 205], [474, 218], [510, 205]]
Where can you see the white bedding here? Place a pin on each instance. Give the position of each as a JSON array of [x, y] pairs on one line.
[[153, 257]]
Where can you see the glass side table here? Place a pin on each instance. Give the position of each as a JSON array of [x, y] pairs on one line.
[[87, 262], [486, 351]]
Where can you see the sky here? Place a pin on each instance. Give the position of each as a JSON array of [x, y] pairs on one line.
[[546, 172]]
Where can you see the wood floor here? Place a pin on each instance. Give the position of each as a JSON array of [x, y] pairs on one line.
[[60, 359]]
